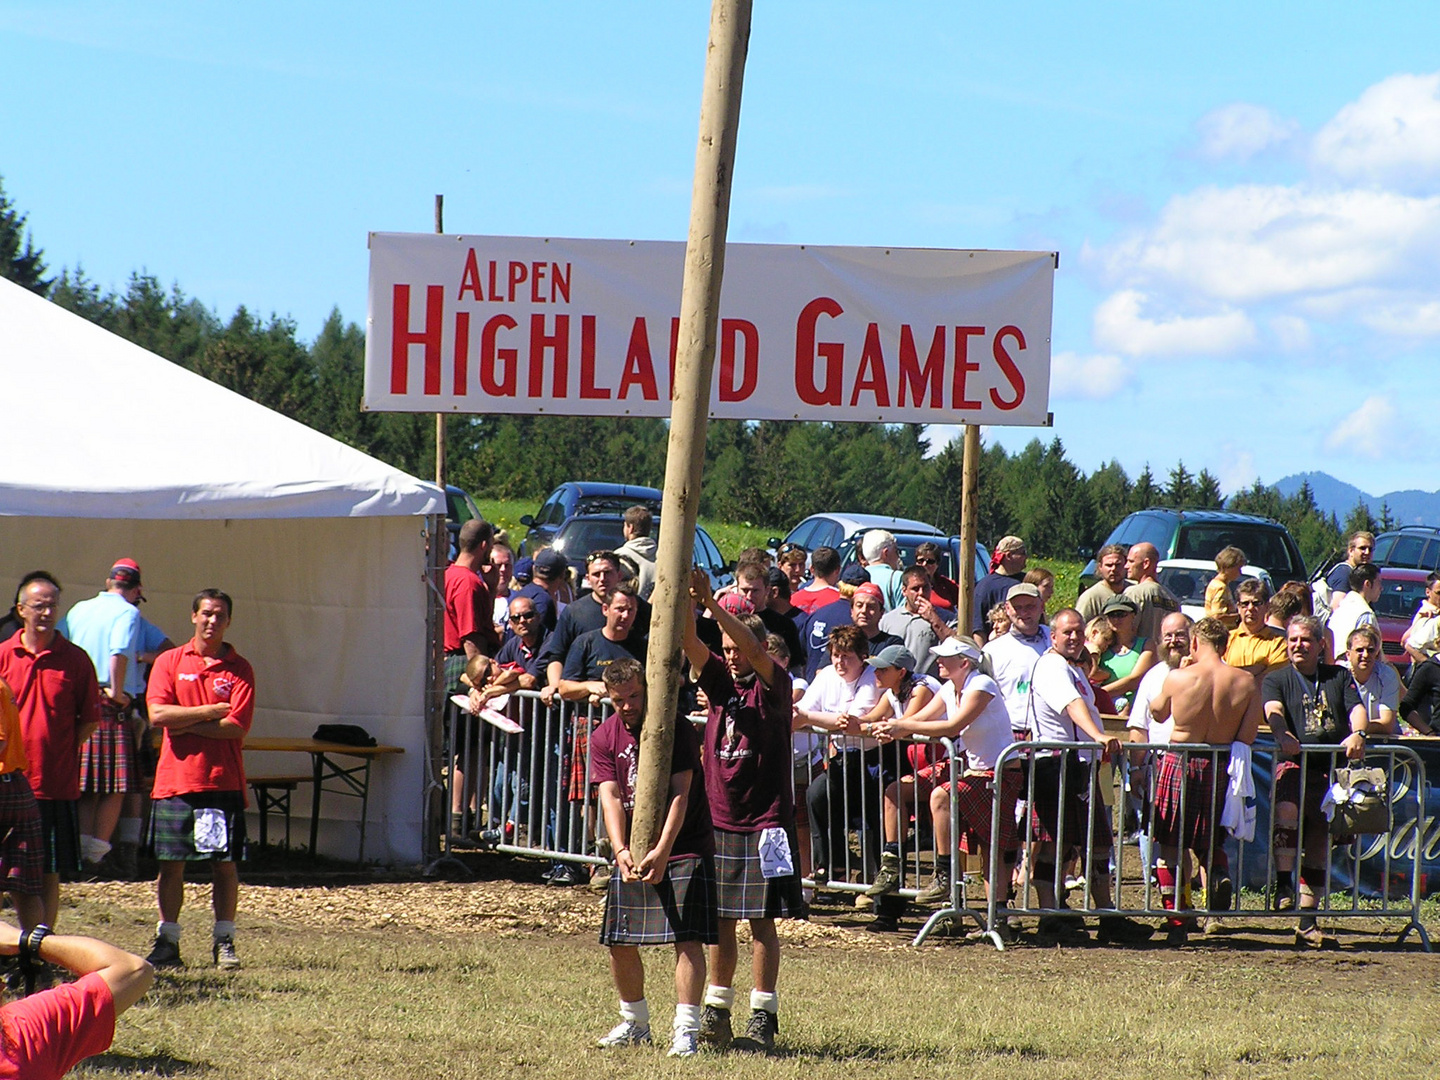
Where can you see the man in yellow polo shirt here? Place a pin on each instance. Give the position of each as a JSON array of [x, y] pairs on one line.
[[1254, 646]]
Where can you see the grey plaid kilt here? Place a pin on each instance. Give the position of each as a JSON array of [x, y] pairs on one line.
[[680, 908], [172, 826], [454, 668], [743, 891]]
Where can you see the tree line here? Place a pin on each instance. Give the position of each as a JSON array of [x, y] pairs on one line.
[[765, 473]]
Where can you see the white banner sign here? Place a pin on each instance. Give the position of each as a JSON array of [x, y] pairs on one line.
[[496, 324]]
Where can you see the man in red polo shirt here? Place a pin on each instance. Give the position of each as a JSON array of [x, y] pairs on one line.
[[202, 696], [59, 701]]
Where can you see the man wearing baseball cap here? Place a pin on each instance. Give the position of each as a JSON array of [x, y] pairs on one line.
[[1007, 568], [107, 627], [1011, 657]]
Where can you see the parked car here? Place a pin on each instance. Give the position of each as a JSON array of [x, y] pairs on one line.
[[908, 542], [1401, 590], [570, 498], [1413, 546], [1200, 534], [459, 508], [1189, 578], [586, 532], [832, 530]]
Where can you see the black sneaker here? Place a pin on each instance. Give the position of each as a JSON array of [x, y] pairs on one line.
[[223, 951], [1222, 895], [715, 1031], [1176, 933], [760, 1031], [165, 954], [1118, 930]]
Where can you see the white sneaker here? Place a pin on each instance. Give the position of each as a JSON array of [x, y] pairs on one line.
[[626, 1033], [685, 1044]]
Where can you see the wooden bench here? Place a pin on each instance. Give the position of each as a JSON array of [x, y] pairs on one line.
[[273, 793]]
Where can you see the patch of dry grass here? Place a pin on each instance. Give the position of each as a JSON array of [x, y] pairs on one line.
[[396, 979]]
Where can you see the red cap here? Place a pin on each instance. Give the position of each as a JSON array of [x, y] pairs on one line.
[[870, 589]]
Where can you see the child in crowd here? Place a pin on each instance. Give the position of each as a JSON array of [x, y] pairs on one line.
[[1219, 604]]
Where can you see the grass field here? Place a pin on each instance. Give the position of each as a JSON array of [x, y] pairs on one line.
[[397, 979]]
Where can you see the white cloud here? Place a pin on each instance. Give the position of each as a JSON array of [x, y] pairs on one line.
[[1389, 135], [1090, 378], [1417, 319], [1291, 332], [1236, 470], [1240, 131], [1120, 325], [1367, 432], [1256, 242]]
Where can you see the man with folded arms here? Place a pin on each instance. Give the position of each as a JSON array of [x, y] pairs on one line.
[[1210, 703]]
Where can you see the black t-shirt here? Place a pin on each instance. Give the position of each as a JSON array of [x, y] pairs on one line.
[[581, 617], [593, 652], [989, 591], [1314, 705], [1423, 694]]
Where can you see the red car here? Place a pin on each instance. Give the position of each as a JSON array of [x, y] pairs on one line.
[[1400, 595]]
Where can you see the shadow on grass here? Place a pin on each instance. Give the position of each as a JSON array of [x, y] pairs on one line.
[[185, 989], [142, 1065]]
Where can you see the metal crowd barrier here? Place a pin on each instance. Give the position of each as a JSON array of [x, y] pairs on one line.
[[1364, 877], [519, 801]]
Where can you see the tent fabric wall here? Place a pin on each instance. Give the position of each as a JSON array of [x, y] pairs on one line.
[[330, 611]]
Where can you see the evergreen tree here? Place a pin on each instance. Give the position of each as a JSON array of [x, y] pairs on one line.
[[1207, 491], [20, 260], [1359, 520], [1180, 493]]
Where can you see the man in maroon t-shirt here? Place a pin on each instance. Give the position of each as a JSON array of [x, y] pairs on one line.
[[669, 895], [748, 782], [59, 701]]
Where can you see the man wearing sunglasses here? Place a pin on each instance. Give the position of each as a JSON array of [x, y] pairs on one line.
[[1255, 645]]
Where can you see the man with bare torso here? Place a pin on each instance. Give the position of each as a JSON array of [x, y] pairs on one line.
[[1211, 704]]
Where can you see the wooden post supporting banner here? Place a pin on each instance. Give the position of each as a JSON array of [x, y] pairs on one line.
[[969, 511], [440, 417], [690, 408]]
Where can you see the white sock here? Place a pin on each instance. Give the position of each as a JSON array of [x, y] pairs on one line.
[[223, 929], [93, 849], [170, 931], [759, 999], [128, 831], [637, 1012], [687, 1018], [722, 997]]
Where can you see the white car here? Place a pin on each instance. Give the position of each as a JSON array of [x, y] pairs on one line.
[[1188, 578]]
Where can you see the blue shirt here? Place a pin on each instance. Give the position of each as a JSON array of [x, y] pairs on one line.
[[104, 626]]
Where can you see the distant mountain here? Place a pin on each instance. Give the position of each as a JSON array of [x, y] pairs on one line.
[[1337, 497]]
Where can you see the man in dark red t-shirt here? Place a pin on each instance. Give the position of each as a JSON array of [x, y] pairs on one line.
[[748, 784], [202, 696], [59, 701], [669, 895]]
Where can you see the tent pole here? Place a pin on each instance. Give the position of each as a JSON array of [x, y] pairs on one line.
[[433, 820], [690, 407], [969, 512], [440, 417]]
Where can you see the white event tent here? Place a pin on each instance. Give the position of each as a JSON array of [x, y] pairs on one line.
[[113, 451]]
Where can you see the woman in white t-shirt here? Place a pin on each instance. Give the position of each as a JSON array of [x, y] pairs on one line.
[[833, 703], [969, 707]]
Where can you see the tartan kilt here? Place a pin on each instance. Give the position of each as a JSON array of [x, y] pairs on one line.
[[60, 835], [1052, 823], [743, 891], [974, 797], [107, 760], [680, 908], [172, 826], [22, 851], [454, 668], [1317, 782], [1191, 778], [579, 761]]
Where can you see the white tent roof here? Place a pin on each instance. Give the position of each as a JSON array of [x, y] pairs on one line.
[[186, 449]]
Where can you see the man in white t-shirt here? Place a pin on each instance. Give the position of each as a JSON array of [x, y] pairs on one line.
[[1355, 608], [969, 707], [1422, 639], [1063, 710], [1010, 658]]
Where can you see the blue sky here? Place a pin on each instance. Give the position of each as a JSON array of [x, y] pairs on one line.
[[1246, 198]]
